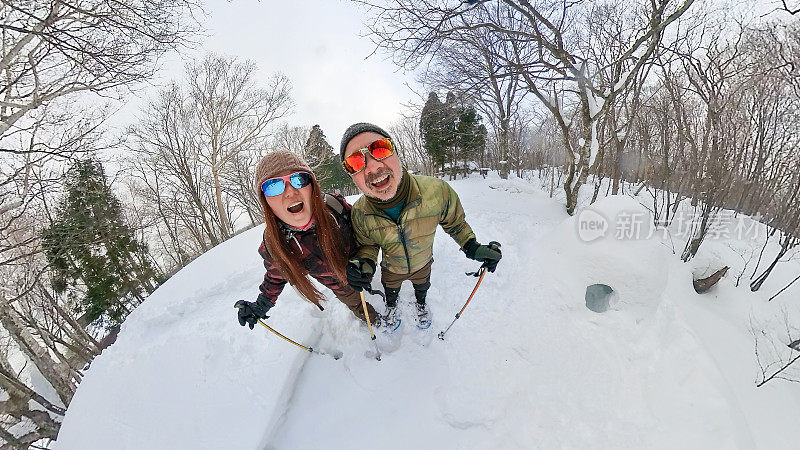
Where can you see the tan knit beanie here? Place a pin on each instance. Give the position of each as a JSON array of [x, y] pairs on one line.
[[278, 163]]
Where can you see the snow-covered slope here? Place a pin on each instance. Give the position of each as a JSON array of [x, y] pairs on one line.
[[526, 366]]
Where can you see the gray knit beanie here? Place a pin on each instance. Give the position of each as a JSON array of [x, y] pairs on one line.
[[356, 129], [276, 163]]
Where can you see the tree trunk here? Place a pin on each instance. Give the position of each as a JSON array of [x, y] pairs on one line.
[[57, 374], [704, 284], [787, 243], [572, 186], [18, 389], [223, 217], [504, 128]]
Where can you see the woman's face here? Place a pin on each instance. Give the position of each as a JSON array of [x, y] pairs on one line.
[[293, 206]]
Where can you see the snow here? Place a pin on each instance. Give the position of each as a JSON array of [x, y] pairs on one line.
[[622, 80], [594, 145], [551, 102], [526, 366], [32, 377], [595, 104]]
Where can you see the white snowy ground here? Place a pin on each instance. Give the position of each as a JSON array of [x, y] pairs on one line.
[[526, 366]]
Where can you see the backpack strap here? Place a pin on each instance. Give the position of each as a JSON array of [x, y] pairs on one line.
[[333, 203]]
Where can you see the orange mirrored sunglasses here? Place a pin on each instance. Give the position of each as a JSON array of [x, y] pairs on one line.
[[380, 149]]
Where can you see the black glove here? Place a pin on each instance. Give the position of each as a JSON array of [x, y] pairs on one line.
[[488, 254], [250, 312], [359, 273]]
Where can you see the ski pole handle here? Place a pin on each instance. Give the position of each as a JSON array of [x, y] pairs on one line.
[[377, 292]]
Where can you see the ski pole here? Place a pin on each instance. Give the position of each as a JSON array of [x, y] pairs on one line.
[[369, 324], [377, 292], [335, 355], [480, 273]]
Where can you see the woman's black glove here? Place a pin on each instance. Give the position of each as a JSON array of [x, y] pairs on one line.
[[488, 254], [359, 273], [250, 312]]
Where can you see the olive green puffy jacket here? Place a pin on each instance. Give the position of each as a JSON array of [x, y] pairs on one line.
[[408, 245]]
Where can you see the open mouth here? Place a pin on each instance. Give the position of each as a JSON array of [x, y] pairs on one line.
[[381, 183], [295, 208]]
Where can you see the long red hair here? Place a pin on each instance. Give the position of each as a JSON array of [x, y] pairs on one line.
[[285, 256]]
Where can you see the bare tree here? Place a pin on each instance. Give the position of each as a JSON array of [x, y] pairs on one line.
[[237, 176], [53, 56], [231, 114], [789, 9], [546, 51], [410, 145], [167, 173], [725, 86], [17, 408], [193, 153], [776, 351], [40, 327], [54, 49]]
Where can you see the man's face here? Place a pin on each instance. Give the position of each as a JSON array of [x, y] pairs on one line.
[[293, 206], [379, 179]]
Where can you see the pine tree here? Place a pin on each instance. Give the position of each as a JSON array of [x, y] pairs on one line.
[[317, 148], [452, 132], [326, 164], [437, 126], [93, 254], [470, 136]]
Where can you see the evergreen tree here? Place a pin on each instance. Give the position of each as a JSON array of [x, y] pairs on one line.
[[326, 164], [317, 148], [451, 132], [470, 136], [92, 252], [437, 126]]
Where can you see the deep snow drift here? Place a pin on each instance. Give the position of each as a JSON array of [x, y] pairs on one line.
[[526, 366]]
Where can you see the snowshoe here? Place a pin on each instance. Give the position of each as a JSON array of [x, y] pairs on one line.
[[390, 320], [423, 316]]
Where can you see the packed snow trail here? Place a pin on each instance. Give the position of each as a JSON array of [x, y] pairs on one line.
[[429, 392], [526, 366]]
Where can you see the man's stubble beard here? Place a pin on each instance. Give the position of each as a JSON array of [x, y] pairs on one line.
[[392, 181]]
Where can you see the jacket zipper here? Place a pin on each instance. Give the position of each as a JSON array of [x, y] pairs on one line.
[[291, 235], [405, 249], [399, 229]]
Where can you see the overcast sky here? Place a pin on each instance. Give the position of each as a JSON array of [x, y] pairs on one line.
[[317, 44]]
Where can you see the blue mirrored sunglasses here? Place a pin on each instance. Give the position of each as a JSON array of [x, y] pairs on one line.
[[276, 186]]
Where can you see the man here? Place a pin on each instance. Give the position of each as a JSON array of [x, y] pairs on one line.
[[398, 214]]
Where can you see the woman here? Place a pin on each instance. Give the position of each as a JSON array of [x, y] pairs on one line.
[[307, 233]]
